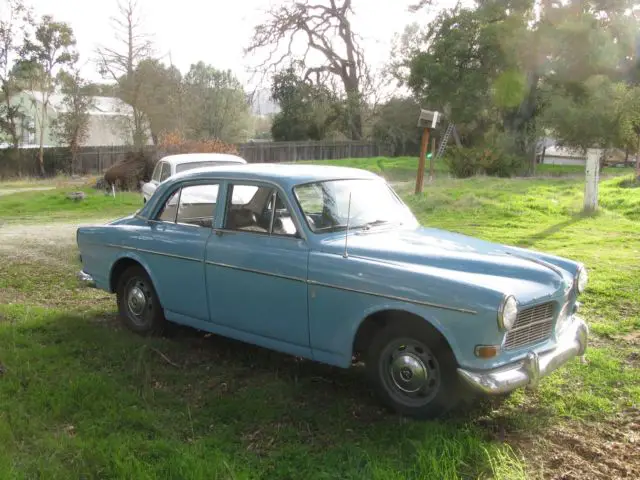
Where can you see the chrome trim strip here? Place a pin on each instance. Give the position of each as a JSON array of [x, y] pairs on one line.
[[539, 262], [228, 231], [302, 280], [153, 252], [259, 272], [393, 297]]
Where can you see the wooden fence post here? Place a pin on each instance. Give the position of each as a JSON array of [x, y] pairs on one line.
[[592, 177]]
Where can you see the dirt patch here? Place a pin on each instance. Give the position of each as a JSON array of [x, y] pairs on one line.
[[10, 191], [15, 239], [586, 451], [39, 264]]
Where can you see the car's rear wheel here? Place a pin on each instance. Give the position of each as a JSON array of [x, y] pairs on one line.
[[413, 370], [138, 302]]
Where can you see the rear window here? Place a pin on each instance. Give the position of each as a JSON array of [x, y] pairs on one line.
[[183, 167]]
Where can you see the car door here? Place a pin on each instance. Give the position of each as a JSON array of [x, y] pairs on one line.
[[256, 269], [174, 245]]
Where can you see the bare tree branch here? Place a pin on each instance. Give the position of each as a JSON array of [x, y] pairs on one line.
[[120, 62], [326, 29]]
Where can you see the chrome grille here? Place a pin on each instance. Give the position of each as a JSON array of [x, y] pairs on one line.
[[533, 325]]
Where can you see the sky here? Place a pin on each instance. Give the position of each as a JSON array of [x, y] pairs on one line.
[[214, 31]]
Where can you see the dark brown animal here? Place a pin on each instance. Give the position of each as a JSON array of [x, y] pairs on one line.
[[129, 173]]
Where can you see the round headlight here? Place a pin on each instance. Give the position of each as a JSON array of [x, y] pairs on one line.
[[507, 313], [582, 280]]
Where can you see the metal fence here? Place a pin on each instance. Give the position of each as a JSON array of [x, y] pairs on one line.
[[95, 160]]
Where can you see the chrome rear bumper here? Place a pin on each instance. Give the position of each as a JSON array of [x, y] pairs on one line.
[[86, 279], [534, 366]]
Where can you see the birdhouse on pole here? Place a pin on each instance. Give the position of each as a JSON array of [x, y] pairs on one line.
[[428, 120]]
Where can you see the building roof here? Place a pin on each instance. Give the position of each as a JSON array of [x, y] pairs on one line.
[[107, 106]]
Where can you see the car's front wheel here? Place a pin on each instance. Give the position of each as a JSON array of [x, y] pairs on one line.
[[413, 370], [138, 302]]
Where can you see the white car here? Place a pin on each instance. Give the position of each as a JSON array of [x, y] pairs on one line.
[[172, 164]]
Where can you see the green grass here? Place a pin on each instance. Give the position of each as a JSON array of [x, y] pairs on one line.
[[83, 398], [91, 401], [404, 168], [36, 206], [396, 169]]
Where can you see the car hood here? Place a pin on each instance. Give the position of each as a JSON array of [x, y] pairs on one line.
[[524, 273]]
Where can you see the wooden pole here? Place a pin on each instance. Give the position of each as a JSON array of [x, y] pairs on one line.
[[422, 160], [432, 160]]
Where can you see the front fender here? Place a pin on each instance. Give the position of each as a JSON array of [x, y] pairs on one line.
[[429, 315]]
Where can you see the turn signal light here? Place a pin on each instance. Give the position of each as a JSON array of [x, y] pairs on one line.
[[487, 351]]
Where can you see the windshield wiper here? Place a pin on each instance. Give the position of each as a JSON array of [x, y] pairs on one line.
[[334, 228], [365, 226], [375, 223]]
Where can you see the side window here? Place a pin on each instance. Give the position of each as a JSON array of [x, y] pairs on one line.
[[258, 209], [156, 172], [169, 209], [191, 205], [198, 205], [166, 172]]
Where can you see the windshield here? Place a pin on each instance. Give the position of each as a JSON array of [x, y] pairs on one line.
[[183, 167], [326, 205]]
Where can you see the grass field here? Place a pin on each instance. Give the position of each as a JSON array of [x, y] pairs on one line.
[[83, 398], [48, 205], [404, 168]]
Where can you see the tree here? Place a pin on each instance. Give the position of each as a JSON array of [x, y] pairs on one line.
[[100, 89], [159, 96], [497, 67], [120, 63], [395, 126], [327, 32], [71, 126], [49, 53], [307, 111], [215, 105], [15, 20], [473, 64]]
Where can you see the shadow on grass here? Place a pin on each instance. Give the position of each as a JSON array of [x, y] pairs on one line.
[[268, 414], [552, 230]]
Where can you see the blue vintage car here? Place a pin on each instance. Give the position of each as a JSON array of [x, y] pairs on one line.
[[329, 264]]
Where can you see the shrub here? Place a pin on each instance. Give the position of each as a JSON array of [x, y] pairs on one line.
[[175, 142], [467, 162], [462, 162]]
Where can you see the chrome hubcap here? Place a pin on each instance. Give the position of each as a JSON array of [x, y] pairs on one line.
[[137, 300], [409, 373]]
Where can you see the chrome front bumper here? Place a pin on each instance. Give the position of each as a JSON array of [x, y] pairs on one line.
[[529, 371], [86, 279]]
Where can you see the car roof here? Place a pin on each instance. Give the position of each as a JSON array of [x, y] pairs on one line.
[[281, 173], [182, 158], [285, 175]]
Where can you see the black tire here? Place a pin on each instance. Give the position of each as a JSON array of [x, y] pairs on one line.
[[413, 370], [140, 309]]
